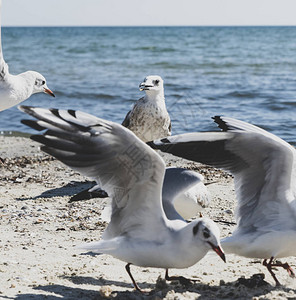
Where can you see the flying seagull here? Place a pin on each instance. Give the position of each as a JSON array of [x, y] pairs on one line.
[[264, 169], [139, 232], [17, 88], [149, 119]]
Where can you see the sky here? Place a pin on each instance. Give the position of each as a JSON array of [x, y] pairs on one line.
[[147, 13]]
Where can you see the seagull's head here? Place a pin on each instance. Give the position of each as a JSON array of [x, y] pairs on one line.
[[206, 230], [40, 84], [152, 84]]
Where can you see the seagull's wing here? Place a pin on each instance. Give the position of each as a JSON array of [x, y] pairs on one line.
[[263, 166], [126, 120], [3, 65], [176, 181], [126, 168]]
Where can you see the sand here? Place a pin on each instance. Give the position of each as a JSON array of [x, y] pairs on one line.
[[39, 230]]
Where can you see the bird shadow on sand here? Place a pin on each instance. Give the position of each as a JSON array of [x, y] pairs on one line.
[[242, 288], [70, 189]]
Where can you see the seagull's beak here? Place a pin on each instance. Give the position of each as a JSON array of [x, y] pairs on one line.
[[219, 251], [144, 86], [49, 92]]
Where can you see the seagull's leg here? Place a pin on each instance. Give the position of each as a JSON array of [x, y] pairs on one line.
[[181, 279], [127, 267], [286, 267], [269, 266]]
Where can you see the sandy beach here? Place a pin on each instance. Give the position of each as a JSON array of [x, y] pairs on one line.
[[39, 230]]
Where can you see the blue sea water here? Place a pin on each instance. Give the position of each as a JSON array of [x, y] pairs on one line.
[[243, 72]]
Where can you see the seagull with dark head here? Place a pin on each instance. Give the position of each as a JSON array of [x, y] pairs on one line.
[[17, 88], [140, 232], [264, 169], [149, 119]]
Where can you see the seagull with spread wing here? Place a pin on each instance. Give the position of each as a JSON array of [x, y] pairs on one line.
[[139, 233], [264, 169]]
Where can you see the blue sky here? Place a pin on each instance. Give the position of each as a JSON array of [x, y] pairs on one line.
[[152, 12]]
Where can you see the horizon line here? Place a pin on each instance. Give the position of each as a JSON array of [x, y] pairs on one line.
[[258, 25]]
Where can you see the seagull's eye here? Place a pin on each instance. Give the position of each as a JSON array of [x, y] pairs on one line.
[[43, 82], [156, 82], [206, 234]]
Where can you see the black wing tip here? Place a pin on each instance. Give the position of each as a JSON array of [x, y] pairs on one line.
[[221, 123], [25, 108], [38, 138], [33, 124], [72, 112]]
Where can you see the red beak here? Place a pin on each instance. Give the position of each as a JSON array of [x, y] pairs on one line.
[[49, 92], [219, 251]]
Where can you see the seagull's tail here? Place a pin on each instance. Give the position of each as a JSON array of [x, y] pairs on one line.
[[103, 246]]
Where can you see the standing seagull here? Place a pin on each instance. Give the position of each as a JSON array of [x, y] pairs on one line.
[[132, 173], [149, 119], [264, 169], [17, 88]]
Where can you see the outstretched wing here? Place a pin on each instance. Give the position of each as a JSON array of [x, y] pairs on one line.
[[263, 166], [126, 168], [3, 65]]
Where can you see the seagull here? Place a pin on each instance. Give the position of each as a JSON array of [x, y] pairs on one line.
[[184, 194], [149, 119], [264, 169], [17, 88], [132, 173]]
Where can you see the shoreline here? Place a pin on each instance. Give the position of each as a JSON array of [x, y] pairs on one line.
[[40, 230]]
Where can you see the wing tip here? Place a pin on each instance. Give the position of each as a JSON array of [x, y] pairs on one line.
[[221, 123], [33, 124], [25, 108]]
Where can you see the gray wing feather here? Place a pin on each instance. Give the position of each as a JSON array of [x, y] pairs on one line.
[[262, 165], [130, 171]]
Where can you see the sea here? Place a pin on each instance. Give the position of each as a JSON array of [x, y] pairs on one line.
[[247, 73]]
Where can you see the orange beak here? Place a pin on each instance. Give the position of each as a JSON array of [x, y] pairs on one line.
[[49, 92]]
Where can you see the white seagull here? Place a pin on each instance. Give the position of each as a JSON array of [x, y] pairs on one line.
[[17, 88], [184, 193], [264, 169], [132, 173], [149, 119]]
